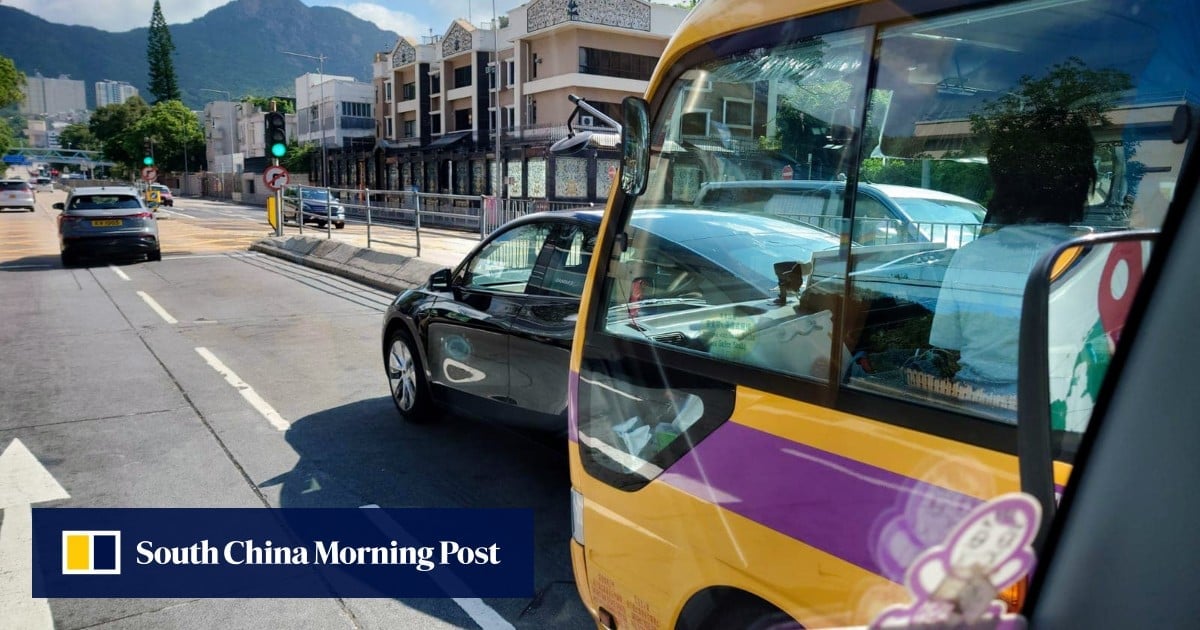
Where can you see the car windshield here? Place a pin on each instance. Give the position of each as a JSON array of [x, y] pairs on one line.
[[315, 194], [14, 186], [103, 202], [925, 210]]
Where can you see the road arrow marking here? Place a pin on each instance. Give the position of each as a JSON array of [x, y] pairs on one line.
[[23, 481]]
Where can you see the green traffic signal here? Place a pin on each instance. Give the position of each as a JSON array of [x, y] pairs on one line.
[[148, 161], [276, 133]]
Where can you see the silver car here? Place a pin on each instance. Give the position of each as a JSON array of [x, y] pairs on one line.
[[106, 221], [16, 193]]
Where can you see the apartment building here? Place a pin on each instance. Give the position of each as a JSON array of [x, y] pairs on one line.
[[446, 103], [47, 96], [113, 92]]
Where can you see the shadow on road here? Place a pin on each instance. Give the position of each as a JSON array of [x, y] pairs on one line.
[[362, 453]]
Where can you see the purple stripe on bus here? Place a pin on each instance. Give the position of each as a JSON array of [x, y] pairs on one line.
[[573, 406], [873, 518]]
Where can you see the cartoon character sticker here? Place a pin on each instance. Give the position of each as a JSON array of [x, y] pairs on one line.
[[955, 583]]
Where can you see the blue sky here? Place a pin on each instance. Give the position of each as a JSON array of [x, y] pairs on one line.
[[405, 17]]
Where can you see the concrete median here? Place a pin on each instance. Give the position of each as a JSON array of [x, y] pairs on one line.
[[381, 270]]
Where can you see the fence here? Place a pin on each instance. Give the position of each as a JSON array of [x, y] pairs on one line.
[[471, 216]]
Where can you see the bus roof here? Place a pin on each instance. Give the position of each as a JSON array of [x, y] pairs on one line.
[[717, 18]]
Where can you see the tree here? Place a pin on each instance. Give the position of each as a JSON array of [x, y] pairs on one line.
[[112, 126], [299, 156], [78, 136], [11, 82], [158, 54], [285, 104], [175, 130]]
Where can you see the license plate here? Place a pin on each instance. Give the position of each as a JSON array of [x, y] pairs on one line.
[[106, 223]]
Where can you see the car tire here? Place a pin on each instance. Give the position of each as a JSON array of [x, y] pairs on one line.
[[154, 256], [320, 224], [339, 225], [406, 378], [69, 260]]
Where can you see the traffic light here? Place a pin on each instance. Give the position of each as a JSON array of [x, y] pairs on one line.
[[147, 152], [276, 134]]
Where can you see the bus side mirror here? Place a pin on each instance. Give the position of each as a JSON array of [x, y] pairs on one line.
[[635, 145], [1077, 299]]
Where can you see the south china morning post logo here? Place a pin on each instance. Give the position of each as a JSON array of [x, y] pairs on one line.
[[91, 552], [282, 552]]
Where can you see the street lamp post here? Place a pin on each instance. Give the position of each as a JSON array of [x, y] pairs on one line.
[[320, 104]]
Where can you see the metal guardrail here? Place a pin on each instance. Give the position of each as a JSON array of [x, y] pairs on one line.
[[473, 216]]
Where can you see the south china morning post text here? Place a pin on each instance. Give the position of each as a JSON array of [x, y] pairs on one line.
[[334, 552], [235, 552]]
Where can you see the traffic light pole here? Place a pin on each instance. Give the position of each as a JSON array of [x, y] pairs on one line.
[[279, 196]]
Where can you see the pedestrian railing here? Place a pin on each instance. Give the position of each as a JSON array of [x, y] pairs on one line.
[[471, 216]]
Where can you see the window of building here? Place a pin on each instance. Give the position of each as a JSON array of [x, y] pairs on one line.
[[738, 115], [611, 63], [408, 92], [435, 83], [533, 64], [387, 91], [510, 117], [491, 72], [462, 119], [435, 123], [388, 133], [532, 109], [410, 128], [356, 110], [510, 72], [462, 76]]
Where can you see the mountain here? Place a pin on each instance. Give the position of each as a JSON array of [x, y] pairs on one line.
[[237, 48]]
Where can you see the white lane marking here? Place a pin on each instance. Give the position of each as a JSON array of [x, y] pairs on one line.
[[120, 274], [476, 609], [261, 406], [162, 312], [23, 481], [176, 212]]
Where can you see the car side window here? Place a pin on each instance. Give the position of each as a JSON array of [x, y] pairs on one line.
[[506, 263], [570, 254]]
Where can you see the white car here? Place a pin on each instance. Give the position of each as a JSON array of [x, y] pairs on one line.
[[17, 193]]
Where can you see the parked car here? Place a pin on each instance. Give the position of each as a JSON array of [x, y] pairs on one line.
[[319, 206], [106, 221], [884, 213], [493, 336], [164, 194], [17, 193]]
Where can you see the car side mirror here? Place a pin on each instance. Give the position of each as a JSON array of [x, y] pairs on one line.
[[439, 280], [1077, 299], [58, 205]]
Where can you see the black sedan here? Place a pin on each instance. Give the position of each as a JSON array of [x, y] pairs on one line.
[[493, 337]]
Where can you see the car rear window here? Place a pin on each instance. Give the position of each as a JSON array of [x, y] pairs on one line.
[[14, 186], [104, 202]]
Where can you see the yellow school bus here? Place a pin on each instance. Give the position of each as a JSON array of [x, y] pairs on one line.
[[800, 358]]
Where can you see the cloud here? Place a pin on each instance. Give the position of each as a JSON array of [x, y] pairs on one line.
[[114, 15], [387, 19]]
